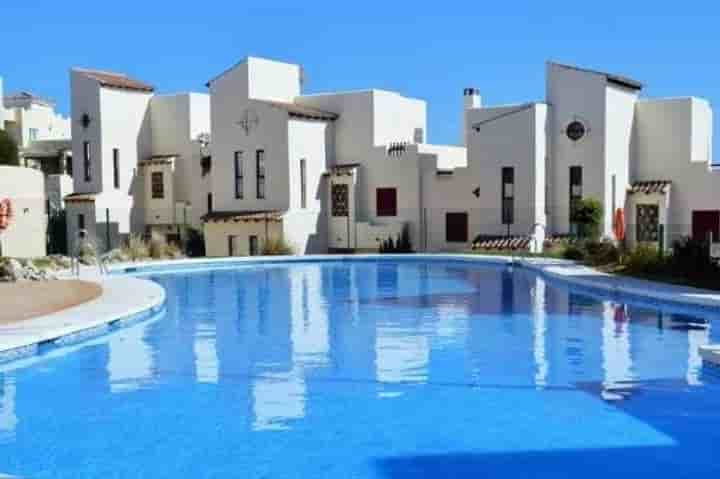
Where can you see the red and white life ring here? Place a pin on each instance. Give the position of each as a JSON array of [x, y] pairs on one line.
[[6, 214]]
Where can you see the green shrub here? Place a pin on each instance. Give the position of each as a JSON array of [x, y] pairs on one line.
[[692, 257], [574, 252], [276, 247], [156, 247], [136, 248], [600, 253], [645, 259], [587, 213], [8, 150]]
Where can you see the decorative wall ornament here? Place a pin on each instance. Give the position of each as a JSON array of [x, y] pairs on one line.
[[476, 192], [648, 222], [249, 121], [340, 203], [576, 130], [85, 120]]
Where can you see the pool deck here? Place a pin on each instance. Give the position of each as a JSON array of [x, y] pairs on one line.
[[124, 296]]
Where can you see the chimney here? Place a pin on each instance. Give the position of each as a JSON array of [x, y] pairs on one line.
[[471, 99]]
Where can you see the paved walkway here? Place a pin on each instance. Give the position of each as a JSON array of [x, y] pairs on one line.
[[25, 300]]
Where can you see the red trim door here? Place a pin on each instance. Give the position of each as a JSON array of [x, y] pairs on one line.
[[704, 223]]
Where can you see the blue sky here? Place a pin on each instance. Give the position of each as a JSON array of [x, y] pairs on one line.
[[428, 51]]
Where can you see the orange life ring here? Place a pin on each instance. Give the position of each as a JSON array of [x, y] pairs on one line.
[[619, 224], [6, 214]]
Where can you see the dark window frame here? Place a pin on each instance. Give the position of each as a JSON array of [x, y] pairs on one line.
[[209, 202], [253, 245], [87, 169], [260, 179], [507, 197], [576, 180], [453, 235], [116, 168], [239, 175], [81, 221], [303, 183], [157, 193], [386, 202]]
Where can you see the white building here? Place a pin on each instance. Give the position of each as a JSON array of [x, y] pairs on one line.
[[346, 171], [340, 171], [43, 139], [137, 165]]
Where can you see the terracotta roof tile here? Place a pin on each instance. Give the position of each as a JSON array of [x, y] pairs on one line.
[[118, 80], [650, 187], [302, 111], [244, 216]]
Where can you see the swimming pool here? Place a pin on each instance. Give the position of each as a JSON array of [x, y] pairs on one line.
[[372, 369]]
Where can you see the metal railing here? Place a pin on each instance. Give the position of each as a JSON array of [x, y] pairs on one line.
[[84, 243]]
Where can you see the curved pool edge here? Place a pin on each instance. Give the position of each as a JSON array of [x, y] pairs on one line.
[[125, 300]]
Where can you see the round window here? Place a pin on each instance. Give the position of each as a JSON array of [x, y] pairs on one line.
[[575, 130]]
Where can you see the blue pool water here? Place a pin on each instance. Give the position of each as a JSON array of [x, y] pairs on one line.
[[372, 369]]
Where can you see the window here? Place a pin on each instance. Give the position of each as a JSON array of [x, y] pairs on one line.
[[116, 167], [33, 134], [648, 223], [231, 245], [158, 185], [706, 225], [386, 201], [456, 227], [339, 196], [576, 193], [303, 183], [253, 245], [508, 196], [239, 175], [69, 165], [209, 203], [86, 161], [81, 222], [260, 173]]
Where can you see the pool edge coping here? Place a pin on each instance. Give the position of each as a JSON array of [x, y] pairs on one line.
[[119, 304]]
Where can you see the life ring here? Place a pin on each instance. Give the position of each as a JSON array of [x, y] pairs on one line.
[[6, 214], [619, 224]]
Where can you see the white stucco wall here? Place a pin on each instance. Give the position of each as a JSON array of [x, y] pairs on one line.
[[159, 211], [126, 126], [672, 141], [572, 95], [396, 117], [510, 136], [619, 120], [354, 127], [85, 99], [26, 236], [306, 227], [177, 120]]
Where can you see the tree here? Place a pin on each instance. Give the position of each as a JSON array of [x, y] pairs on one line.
[[8, 150], [587, 213]]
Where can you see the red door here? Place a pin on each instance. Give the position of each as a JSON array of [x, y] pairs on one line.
[[704, 223]]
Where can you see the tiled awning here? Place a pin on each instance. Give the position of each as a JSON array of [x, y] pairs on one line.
[[80, 197], [342, 170], [650, 187], [243, 216]]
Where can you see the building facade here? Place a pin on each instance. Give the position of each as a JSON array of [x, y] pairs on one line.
[[136, 161], [347, 171]]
